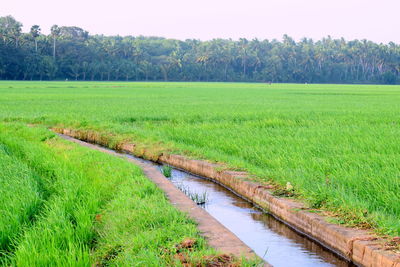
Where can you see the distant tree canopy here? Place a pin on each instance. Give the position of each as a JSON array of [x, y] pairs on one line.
[[71, 53]]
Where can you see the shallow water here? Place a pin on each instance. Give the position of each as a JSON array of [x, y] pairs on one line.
[[269, 238], [272, 240]]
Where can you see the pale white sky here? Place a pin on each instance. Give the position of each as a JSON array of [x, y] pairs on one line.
[[376, 20]]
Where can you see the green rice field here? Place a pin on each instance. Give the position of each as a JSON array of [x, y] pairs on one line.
[[338, 145], [66, 205]]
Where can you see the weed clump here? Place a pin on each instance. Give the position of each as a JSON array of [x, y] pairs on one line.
[[167, 170]]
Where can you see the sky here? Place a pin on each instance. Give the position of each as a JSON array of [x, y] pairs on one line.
[[375, 20]]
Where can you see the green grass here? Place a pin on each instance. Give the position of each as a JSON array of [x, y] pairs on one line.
[[166, 170], [66, 205], [336, 144], [16, 210]]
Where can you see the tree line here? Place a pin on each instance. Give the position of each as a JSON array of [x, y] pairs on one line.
[[72, 53]]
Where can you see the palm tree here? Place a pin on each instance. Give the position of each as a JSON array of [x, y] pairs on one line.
[[10, 29], [55, 33], [35, 32]]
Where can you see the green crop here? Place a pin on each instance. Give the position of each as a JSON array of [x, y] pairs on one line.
[[337, 145], [66, 205]]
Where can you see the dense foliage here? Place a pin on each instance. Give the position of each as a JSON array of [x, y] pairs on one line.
[[71, 53]]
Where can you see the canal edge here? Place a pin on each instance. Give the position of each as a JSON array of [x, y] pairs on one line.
[[355, 245], [216, 235]]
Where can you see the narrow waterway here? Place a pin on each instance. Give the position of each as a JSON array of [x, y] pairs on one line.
[[269, 238]]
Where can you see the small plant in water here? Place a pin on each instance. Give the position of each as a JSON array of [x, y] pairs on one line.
[[198, 198], [166, 170]]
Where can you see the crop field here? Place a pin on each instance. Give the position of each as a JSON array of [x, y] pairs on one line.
[[338, 145], [65, 205]]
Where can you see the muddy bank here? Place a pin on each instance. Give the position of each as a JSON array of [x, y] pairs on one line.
[[358, 246]]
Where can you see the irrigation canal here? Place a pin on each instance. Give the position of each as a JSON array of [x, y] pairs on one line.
[[271, 239]]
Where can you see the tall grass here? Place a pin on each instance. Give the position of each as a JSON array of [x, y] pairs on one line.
[[98, 209], [20, 199], [337, 145]]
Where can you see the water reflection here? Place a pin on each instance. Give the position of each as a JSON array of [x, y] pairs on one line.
[[269, 238]]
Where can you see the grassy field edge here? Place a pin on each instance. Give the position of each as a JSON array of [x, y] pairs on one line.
[[153, 150], [99, 209]]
